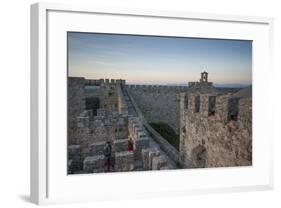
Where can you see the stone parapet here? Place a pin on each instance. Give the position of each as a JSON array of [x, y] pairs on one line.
[[124, 161], [159, 162], [94, 164], [145, 159], [74, 159], [216, 130], [171, 151], [140, 144], [73, 150]]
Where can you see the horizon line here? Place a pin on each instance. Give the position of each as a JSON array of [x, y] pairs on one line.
[[162, 83]]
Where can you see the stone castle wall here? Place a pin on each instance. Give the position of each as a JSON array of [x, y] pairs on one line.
[[104, 117], [158, 104], [100, 128], [170, 150], [75, 105], [216, 131]]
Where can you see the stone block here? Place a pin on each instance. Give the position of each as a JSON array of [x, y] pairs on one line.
[[145, 159], [141, 133], [101, 112], [83, 121], [74, 159], [98, 123], [94, 164], [124, 161], [121, 121], [159, 162], [74, 165], [152, 153], [73, 150], [140, 143], [121, 145], [97, 148]]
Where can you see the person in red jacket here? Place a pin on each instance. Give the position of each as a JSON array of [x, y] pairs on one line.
[[130, 145]]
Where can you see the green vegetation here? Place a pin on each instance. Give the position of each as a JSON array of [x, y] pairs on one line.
[[167, 133]]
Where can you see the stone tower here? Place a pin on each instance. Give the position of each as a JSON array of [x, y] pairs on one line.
[[204, 77], [203, 85]]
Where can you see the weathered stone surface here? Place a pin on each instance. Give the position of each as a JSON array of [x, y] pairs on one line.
[[94, 164], [215, 127], [74, 159], [218, 139], [124, 161], [76, 104], [141, 143], [152, 153], [158, 162], [158, 105], [121, 145], [145, 159], [75, 165], [97, 148], [73, 150]]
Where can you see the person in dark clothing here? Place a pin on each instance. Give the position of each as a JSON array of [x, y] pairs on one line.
[[107, 155]]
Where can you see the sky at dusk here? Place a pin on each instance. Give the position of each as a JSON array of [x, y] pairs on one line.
[[158, 60]]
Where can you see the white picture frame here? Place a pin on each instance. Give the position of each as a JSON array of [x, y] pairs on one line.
[[49, 182]]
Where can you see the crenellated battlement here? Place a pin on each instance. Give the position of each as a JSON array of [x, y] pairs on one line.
[[214, 125], [215, 107], [216, 129], [199, 84], [108, 116], [154, 88], [100, 82]]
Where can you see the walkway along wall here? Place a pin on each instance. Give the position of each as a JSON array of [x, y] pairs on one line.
[[165, 146]]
